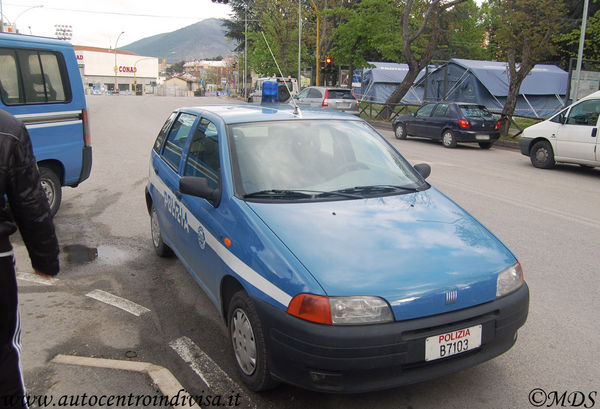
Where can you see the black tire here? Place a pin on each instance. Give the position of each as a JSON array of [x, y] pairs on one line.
[[161, 249], [400, 131], [248, 342], [485, 145], [448, 139], [542, 155], [51, 187]]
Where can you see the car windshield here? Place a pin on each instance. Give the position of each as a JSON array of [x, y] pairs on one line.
[[316, 159], [476, 112], [339, 94]]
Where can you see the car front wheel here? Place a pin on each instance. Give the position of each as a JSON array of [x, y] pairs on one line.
[[400, 131], [448, 139], [247, 339], [542, 155], [161, 249], [51, 187]]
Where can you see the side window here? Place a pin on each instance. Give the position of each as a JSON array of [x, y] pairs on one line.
[[10, 88], [559, 118], [32, 77], [425, 110], [441, 110], [314, 93], [203, 157], [303, 94], [176, 139], [585, 113], [161, 135]]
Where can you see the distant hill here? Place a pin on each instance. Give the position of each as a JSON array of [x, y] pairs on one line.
[[205, 39]]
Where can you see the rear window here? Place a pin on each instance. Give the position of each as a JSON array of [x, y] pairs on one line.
[[33, 77], [476, 112], [339, 94]]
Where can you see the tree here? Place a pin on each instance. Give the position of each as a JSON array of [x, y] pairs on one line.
[[568, 43], [521, 31], [422, 32], [175, 68]]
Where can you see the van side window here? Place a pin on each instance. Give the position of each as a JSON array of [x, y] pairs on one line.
[[585, 113], [33, 77], [161, 135], [203, 158], [176, 140]]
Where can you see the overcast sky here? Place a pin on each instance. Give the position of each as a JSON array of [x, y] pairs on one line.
[[99, 22]]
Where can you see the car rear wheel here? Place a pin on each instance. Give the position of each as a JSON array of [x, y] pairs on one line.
[[542, 155], [247, 339], [400, 131], [51, 187], [485, 145], [448, 139], [161, 249]]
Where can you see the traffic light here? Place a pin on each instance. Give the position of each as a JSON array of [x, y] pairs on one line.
[[328, 68]]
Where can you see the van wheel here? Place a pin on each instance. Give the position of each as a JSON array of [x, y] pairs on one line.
[[400, 131], [161, 249], [542, 155], [247, 339], [448, 139], [51, 187]]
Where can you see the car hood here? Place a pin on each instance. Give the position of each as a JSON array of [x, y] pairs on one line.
[[412, 250]]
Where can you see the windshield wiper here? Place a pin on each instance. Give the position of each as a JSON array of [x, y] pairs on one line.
[[379, 189], [296, 194]]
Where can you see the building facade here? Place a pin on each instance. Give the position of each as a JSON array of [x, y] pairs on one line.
[[105, 70]]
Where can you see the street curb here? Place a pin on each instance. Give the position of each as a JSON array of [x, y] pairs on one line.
[[162, 377]]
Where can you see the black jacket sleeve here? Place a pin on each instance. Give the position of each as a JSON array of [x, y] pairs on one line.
[[29, 205]]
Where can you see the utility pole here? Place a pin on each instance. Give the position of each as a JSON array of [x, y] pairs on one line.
[[299, 42], [580, 53]]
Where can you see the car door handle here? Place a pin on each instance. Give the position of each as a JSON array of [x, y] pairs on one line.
[[156, 169], [177, 194], [594, 132]]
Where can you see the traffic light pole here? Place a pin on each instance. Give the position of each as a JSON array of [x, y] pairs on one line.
[[318, 30]]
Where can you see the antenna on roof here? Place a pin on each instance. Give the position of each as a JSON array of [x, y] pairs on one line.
[[296, 108]]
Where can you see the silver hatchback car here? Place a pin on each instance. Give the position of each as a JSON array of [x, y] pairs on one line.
[[340, 99]]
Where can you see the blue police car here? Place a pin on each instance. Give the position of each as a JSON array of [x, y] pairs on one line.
[[334, 264]]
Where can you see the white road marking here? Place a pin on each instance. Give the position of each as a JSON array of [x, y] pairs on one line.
[[162, 377], [34, 278], [118, 302], [212, 375]]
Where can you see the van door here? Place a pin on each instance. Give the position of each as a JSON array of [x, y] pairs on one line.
[[576, 139]]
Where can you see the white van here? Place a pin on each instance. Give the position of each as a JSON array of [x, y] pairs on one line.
[[571, 136]]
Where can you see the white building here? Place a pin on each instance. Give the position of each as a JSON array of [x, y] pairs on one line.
[[102, 68]]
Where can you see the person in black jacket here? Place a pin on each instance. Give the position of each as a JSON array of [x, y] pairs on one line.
[[29, 211]]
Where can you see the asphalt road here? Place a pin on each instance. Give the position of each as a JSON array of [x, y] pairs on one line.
[[549, 218]]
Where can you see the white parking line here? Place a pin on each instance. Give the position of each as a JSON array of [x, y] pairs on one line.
[[118, 302], [212, 375], [34, 278], [162, 377]]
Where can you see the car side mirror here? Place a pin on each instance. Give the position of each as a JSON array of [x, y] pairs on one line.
[[198, 186], [423, 169]]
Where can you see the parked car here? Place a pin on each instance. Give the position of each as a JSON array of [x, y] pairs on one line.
[[570, 136], [450, 122], [41, 85], [340, 99], [334, 264]]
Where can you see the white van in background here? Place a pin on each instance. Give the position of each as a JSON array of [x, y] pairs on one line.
[[571, 136]]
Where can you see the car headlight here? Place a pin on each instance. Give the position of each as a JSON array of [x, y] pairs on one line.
[[509, 280], [340, 310]]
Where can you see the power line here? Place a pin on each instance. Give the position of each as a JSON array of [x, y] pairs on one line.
[[114, 13]]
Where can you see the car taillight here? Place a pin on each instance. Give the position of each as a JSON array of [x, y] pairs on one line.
[[87, 138], [497, 125], [463, 123], [325, 103], [354, 95]]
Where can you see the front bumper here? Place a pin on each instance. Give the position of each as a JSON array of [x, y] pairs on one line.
[[351, 359], [525, 144]]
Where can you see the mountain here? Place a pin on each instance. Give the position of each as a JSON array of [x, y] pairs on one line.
[[205, 39]]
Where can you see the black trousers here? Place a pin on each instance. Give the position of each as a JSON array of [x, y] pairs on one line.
[[12, 387]]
